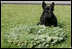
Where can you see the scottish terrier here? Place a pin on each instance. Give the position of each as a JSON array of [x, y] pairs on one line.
[[48, 18]]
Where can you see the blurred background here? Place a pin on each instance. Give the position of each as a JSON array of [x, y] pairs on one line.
[[37, 2]]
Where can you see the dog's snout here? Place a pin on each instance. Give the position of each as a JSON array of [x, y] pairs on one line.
[[49, 11]]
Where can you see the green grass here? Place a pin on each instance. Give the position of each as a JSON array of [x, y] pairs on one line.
[[15, 15]]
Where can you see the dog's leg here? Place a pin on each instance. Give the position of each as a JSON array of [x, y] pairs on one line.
[[39, 23]]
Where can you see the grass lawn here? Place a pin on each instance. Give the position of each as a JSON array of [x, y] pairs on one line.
[[15, 15]]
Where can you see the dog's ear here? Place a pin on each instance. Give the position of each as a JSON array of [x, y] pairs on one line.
[[52, 6], [43, 5]]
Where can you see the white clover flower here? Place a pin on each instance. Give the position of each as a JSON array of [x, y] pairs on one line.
[[42, 26], [48, 39], [34, 43], [54, 41], [39, 31], [47, 45], [60, 38], [44, 43], [55, 38], [39, 46], [42, 39], [37, 42], [9, 41], [19, 43], [35, 38]]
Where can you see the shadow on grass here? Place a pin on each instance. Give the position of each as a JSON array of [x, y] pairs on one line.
[[59, 43], [61, 25]]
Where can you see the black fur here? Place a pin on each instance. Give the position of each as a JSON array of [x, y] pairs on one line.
[[48, 18]]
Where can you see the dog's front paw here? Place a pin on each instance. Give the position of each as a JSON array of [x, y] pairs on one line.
[[38, 23]]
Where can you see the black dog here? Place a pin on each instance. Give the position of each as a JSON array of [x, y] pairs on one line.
[[47, 17]]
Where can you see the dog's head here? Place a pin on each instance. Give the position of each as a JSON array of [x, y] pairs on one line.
[[48, 10]]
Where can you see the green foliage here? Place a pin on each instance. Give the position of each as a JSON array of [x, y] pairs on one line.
[[35, 36]]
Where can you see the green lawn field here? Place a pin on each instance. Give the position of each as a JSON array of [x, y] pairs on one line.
[[14, 15]]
